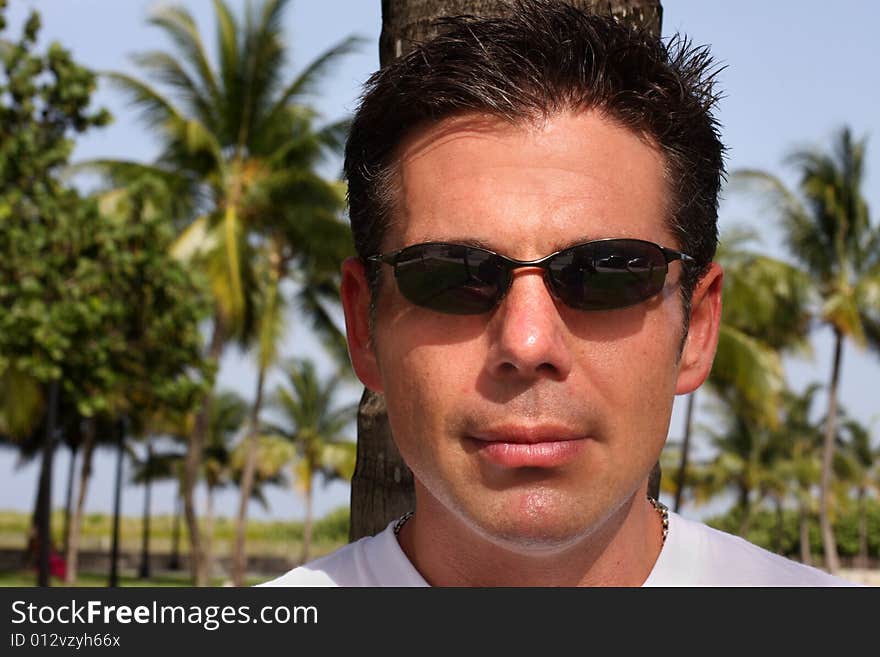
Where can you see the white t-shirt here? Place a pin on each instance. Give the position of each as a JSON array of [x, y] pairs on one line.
[[693, 555]]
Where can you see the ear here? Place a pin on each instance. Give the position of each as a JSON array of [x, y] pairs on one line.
[[356, 305], [702, 339]]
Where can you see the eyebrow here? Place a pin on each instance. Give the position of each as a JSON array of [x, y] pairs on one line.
[[482, 244]]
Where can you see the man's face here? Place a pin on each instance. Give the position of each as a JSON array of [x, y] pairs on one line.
[[532, 423]]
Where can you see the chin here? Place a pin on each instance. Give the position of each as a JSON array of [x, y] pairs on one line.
[[535, 540], [538, 522]]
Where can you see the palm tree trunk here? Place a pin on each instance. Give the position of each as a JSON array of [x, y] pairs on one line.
[[194, 461], [174, 561], [745, 505], [144, 571], [307, 523], [780, 525], [72, 556], [209, 532], [117, 507], [685, 448], [68, 503], [804, 526], [829, 543], [44, 496], [239, 555], [863, 529], [382, 486]]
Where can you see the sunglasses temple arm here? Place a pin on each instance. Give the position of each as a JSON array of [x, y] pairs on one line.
[[388, 259], [672, 254]]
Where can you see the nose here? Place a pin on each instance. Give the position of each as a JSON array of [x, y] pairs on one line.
[[528, 336]]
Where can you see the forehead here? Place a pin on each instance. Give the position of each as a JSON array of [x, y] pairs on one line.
[[530, 188]]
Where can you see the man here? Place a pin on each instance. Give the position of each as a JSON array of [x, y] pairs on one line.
[[534, 204]]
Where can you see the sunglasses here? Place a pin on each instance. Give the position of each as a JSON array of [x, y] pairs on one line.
[[466, 280]]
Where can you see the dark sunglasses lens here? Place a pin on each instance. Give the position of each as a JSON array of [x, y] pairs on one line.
[[608, 274], [451, 278]]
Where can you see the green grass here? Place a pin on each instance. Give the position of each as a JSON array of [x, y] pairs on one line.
[[28, 578], [264, 538], [269, 538]]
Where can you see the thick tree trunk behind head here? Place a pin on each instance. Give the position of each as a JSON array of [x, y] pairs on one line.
[[382, 486]]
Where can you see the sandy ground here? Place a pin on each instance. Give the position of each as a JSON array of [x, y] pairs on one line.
[[867, 577]]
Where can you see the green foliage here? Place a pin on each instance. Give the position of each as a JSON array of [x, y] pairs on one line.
[[763, 530], [238, 142], [334, 526], [314, 425], [765, 312], [88, 292], [265, 536]]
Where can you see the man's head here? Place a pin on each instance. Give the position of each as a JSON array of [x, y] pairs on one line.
[[534, 422], [544, 58]]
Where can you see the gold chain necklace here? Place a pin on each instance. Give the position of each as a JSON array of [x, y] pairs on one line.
[[661, 508]]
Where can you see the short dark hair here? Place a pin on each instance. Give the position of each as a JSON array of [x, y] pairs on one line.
[[542, 58]]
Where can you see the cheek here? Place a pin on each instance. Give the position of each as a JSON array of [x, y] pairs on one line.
[[634, 375], [423, 380]]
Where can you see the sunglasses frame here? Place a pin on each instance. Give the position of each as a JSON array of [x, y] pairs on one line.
[[512, 264]]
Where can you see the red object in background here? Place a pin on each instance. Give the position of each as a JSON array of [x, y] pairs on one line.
[[57, 565]]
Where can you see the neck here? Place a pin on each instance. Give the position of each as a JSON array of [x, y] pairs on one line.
[[619, 551]]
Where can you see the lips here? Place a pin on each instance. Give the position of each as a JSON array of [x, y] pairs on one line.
[[529, 447]]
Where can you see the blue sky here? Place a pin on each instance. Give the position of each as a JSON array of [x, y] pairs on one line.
[[796, 71]]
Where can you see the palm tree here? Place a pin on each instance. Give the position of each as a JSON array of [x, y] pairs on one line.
[[861, 465], [318, 284], [802, 466], [94, 430], [228, 413], [829, 232], [238, 153], [314, 425], [156, 465], [744, 463], [764, 313]]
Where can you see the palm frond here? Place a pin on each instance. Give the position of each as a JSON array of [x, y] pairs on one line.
[[155, 110], [180, 26], [196, 239], [176, 193], [766, 298], [840, 309], [167, 69], [816, 251], [333, 135], [307, 82], [228, 50], [750, 368], [325, 326], [271, 320]]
